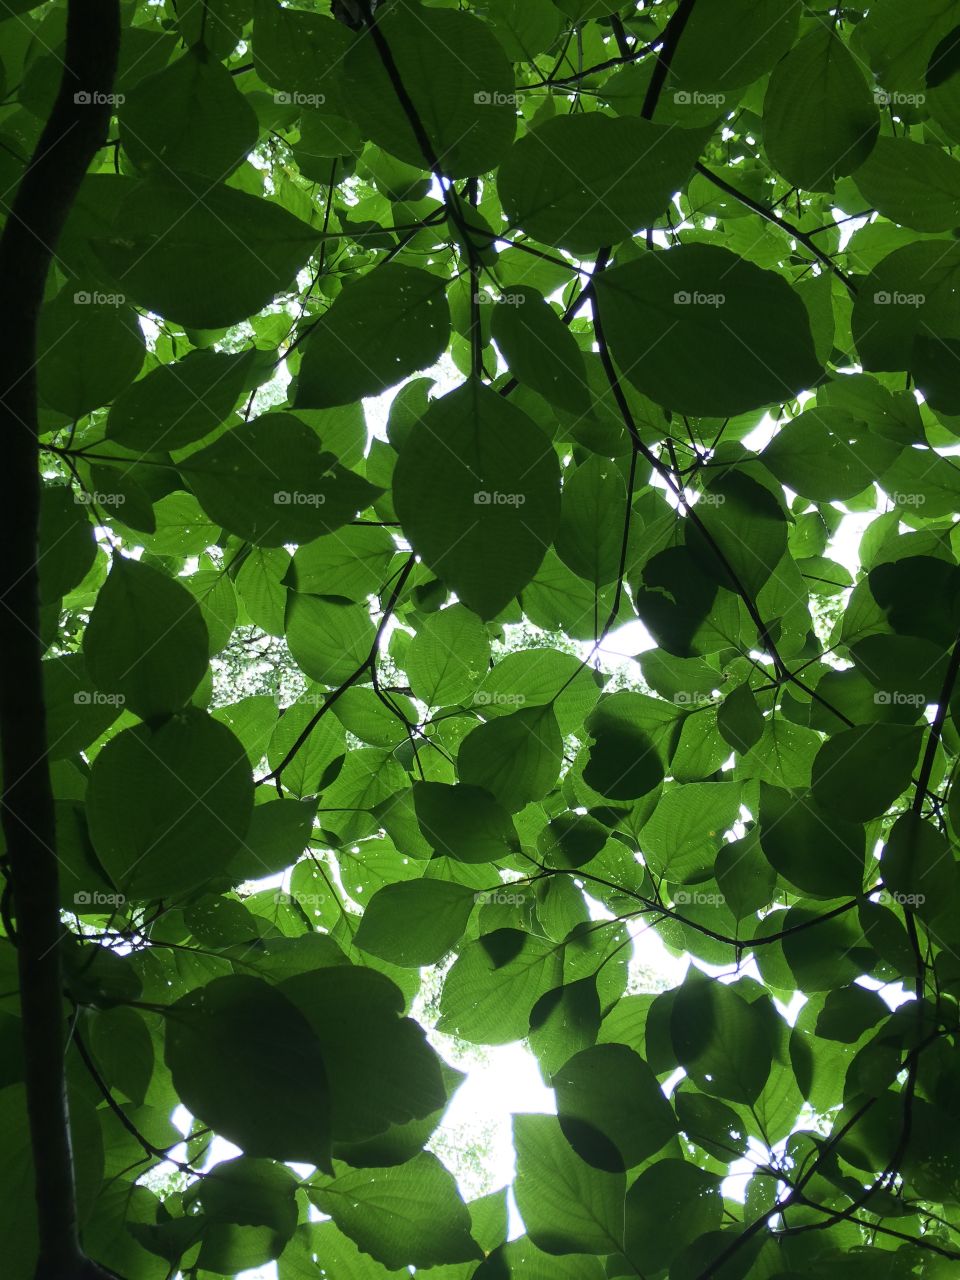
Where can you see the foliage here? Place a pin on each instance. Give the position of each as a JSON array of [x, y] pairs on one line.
[[693, 264]]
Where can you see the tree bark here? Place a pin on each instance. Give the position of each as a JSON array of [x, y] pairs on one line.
[[76, 129]]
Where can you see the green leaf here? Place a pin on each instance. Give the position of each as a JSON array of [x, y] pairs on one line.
[[477, 488], [812, 454], [515, 757], [617, 176], [67, 542], [820, 118], [109, 487], [382, 721], [728, 44], [860, 772], [943, 62], [818, 852], [448, 656], [456, 80], [541, 351], [270, 482], [744, 875], [146, 644], [463, 822], [495, 982], [352, 563], [300, 53], [624, 763], [702, 331], [536, 677], [909, 294], [356, 1015], [850, 1011], [180, 402], [570, 840], [328, 638], [522, 1259], [566, 1206], [367, 780], [720, 1040], [823, 954], [203, 262], [215, 594], [279, 832], [412, 1213], [324, 745], [169, 806], [563, 1021], [911, 183], [919, 596], [611, 1109], [682, 836], [739, 719], [674, 598], [401, 1142], [711, 1124], [76, 714], [590, 538], [416, 922], [91, 347], [189, 116], [249, 1213], [524, 27], [123, 1047], [315, 1240], [918, 867], [380, 329], [741, 533], [245, 1022], [669, 1205]]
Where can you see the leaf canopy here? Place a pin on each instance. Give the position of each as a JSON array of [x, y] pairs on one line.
[[498, 498]]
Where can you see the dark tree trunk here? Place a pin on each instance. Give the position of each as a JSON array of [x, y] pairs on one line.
[[76, 129]]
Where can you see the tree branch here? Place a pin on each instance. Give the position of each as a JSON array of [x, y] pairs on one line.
[[801, 237], [366, 666]]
